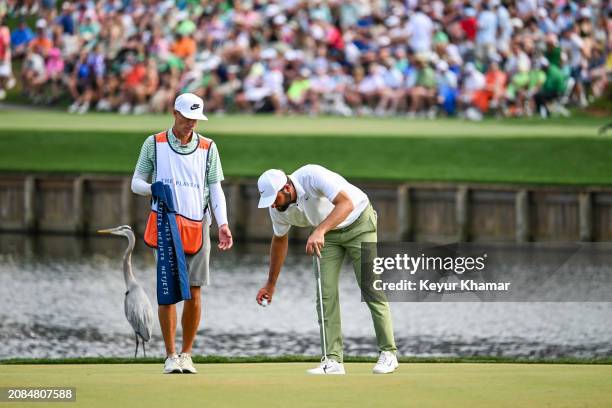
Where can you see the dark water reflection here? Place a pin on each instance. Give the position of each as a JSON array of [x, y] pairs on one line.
[[63, 296]]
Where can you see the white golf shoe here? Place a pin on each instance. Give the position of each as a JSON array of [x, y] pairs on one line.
[[172, 365], [186, 364], [387, 363], [327, 366]]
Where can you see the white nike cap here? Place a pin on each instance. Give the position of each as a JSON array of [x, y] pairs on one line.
[[269, 184], [190, 106]]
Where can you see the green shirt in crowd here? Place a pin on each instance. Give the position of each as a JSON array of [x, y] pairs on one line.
[[554, 56], [555, 80], [426, 78]]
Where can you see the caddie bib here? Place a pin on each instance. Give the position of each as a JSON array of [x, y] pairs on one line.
[[186, 176]]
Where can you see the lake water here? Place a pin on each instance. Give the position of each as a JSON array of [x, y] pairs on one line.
[[63, 297]]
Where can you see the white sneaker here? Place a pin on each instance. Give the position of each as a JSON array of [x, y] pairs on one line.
[[327, 366], [140, 109], [387, 363], [125, 109], [172, 365], [73, 108], [84, 108], [186, 364], [103, 106]]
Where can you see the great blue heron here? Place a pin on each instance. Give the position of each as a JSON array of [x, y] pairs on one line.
[[138, 310]]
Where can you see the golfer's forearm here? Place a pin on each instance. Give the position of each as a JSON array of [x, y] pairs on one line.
[[278, 253], [140, 185], [342, 208], [218, 204]]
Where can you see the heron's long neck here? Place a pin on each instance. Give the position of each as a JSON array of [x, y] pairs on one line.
[[128, 275]]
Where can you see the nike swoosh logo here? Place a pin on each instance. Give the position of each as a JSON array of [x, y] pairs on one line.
[[195, 106]]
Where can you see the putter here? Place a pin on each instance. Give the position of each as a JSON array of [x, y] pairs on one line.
[[317, 268]]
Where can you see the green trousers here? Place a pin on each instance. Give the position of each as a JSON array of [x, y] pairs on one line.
[[338, 244]]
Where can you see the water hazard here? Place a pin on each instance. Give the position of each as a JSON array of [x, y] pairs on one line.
[[63, 297]]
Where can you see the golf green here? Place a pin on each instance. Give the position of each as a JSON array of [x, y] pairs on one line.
[[420, 385]]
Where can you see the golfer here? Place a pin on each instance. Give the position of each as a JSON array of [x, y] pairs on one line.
[[190, 164], [342, 218]]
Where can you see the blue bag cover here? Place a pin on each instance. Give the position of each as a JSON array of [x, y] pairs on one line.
[[172, 276]]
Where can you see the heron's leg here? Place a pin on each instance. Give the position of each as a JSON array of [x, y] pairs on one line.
[[136, 352]]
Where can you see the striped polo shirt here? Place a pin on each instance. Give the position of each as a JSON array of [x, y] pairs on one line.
[[146, 161]]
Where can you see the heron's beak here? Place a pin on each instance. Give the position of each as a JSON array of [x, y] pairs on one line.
[[106, 231]]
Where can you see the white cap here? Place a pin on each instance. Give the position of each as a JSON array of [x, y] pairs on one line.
[[305, 72], [280, 19], [384, 41], [585, 12], [516, 22], [470, 12], [272, 10], [442, 66], [269, 184], [269, 53], [41, 23], [190, 106], [291, 55], [392, 21]]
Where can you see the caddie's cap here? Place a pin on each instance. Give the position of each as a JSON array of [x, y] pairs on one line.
[[190, 106]]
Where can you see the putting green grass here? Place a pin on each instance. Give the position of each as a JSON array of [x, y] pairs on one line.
[[286, 385], [563, 151], [301, 358]]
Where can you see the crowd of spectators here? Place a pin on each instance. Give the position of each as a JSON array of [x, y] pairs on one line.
[[360, 57]]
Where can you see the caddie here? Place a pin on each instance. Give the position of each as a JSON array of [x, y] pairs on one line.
[[189, 163], [342, 218]]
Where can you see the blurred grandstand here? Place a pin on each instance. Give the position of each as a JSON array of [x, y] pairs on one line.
[[467, 58]]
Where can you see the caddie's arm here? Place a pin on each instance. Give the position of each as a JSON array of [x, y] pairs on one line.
[[140, 185], [144, 168], [343, 205], [278, 253], [219, 207]]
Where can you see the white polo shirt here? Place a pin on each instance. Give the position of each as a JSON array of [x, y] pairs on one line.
[[316, 188]]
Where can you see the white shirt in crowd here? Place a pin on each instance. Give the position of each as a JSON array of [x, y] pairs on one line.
[[371, 83], [505, 28], [526, 7], [474, 81], [420, 28], [487, 27], [573, 47], [316, 188]]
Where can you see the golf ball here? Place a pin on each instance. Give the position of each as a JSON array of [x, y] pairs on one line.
[[264, 302]]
